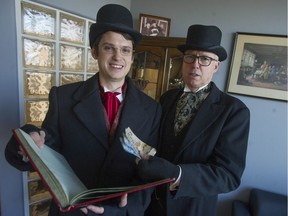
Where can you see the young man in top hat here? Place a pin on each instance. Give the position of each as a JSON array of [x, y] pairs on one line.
[[86, 119], [204, 134]]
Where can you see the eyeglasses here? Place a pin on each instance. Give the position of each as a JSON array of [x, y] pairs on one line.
[[125, 50], [202, 60]]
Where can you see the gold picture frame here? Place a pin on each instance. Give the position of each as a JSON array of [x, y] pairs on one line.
[[259, 66], [150, 25]]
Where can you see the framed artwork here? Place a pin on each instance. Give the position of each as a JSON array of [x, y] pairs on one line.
[[259, 66], [154, 25]]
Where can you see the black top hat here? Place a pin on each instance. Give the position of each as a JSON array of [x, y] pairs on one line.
[[113, 17], [205, 38]]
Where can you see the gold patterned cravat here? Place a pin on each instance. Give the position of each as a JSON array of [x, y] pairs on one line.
[[187, 106]]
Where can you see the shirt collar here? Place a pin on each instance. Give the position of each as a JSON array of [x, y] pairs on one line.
[[186, 89], [119, 90]]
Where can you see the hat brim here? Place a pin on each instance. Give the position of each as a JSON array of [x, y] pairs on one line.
[[218, 50], [97, 29]]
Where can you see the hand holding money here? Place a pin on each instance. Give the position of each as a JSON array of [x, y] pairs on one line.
[[133, 145]]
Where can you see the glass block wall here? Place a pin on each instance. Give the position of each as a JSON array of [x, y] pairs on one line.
[[53, 50]]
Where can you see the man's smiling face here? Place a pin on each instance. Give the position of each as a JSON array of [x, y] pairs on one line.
[[115, 57]]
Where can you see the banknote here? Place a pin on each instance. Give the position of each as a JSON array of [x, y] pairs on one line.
[[132, 144], [127, 146]]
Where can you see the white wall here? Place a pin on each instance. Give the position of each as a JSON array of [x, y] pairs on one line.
[[267, 151]]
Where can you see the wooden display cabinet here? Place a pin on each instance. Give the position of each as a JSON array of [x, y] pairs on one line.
[[157, 65]]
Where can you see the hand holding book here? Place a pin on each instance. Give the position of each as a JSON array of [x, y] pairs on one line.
[[114, 209], [38, 135]]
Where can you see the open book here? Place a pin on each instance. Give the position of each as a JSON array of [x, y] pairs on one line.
[[65, 187]]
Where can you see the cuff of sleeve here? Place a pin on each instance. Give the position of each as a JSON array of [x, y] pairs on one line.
[[174, 186]]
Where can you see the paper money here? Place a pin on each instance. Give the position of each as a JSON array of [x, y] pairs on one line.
[[127, 146], [132, 144]]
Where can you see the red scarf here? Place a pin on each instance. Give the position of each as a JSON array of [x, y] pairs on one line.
[[111, 103]]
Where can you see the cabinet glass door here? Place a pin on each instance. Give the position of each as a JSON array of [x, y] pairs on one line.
[[145, 72], [173, 75]]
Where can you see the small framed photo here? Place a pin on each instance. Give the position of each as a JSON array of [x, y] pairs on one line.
[[259, 66], [154, 25]]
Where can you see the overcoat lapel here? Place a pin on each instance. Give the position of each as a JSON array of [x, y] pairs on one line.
[[127, 119], [132, 106], [90, 110], [207, 115]]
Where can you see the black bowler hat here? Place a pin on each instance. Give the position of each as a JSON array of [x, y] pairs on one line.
[[113, 17], [205, 38]]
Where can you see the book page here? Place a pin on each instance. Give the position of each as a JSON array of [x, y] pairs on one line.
[[53, 167], [100, 194], [94, 194]]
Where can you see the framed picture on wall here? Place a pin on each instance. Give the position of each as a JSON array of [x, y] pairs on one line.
[[259, 66], [154, 25]]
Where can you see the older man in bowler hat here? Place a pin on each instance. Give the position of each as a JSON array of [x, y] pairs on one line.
[[204, 134], [86, 119]]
